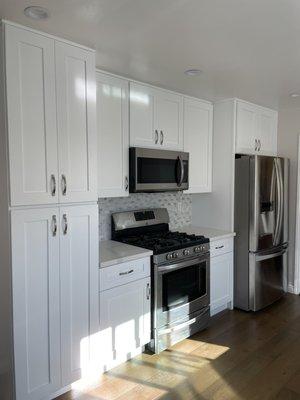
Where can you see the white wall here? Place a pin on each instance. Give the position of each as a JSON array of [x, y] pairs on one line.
[[288, 133]]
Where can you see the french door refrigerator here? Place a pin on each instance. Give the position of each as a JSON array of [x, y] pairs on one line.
[[261, 226]]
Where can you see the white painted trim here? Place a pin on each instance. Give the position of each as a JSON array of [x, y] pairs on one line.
[[291, 288], [59, 39], [132, 80], [296, 285]]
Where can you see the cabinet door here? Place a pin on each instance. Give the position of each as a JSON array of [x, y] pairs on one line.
[[246, 128], [113, 136], [36, 312], [221, 282], [31, 117], [169, 120], [197, 130], [79, 288], [268, 132], [124, 319], [76, 116], [143, 133]]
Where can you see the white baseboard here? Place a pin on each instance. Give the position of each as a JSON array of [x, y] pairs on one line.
[[290, 288]]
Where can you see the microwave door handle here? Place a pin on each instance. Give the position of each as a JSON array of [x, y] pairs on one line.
[[179, 183]]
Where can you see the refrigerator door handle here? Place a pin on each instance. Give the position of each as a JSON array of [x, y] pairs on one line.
[[279, 211], [280, 173], [278, 200]]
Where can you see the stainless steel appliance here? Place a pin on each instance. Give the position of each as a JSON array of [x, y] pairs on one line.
[[261, 226], [152, 170], [179, 277]]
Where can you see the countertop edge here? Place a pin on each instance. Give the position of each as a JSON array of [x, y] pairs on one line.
[[105, 264]]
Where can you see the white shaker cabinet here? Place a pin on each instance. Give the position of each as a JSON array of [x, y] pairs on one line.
[[221, 275], [113, 135], [268, 121], [156, 118], [79, 288], [198, 134], [124, 320], [246, 128], [51, 119], [55, 296], [31, 117], [76, 116], [36, 308], [143, 132], [256, 129], [169, 119]]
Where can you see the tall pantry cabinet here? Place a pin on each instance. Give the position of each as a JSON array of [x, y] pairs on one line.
[[48, 209]]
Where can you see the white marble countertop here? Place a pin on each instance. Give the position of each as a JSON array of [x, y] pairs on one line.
[[211, 233], [112, 253]]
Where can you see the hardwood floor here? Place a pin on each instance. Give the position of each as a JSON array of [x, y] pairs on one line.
[[241, 356]]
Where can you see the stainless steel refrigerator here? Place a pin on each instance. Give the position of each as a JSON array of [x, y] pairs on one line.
[[261, 226]]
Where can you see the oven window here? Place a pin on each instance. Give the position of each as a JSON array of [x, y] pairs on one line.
[[183, 286], [157, 170]]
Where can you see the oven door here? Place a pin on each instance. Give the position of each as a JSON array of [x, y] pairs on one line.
[[180, 290], [158, 170]]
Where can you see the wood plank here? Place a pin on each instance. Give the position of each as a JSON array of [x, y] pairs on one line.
[[240, 356]]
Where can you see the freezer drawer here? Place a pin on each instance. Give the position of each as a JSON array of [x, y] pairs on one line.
[[266, 278]]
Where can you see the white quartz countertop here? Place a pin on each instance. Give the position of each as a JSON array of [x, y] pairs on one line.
[[112, 252], [211, 233]]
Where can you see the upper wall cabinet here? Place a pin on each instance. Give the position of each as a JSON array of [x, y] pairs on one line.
[[156, 118], [76, 116], [256, 129], [113, 135], [52, 134], [197, 129], [31, 117]]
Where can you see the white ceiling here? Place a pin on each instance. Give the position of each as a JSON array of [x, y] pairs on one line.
[[245, 48]]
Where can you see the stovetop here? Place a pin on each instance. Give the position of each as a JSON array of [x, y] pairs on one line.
[[163, 242]]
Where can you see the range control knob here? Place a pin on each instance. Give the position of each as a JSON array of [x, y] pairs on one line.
[[186, 252], [175, 255], [169, 256], [197, 249]]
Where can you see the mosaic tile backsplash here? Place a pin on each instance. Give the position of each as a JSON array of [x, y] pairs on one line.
[[178, 204]]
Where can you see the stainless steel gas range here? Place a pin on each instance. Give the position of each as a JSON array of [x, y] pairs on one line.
[[179, 277]]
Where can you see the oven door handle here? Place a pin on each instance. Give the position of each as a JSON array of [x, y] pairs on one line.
[[183, 325], [184, 264]]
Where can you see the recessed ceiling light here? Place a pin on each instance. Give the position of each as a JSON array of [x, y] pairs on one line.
[[36, 12], [193, 72], [294, 95]]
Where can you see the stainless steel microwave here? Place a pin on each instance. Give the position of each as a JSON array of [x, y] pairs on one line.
[[152, 170]]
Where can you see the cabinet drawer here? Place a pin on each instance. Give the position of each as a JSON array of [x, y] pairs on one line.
[[126, 272], [221, 246]]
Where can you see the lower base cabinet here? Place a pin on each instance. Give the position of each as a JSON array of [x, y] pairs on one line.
[[55, 296], [124, 321], [221, 280]]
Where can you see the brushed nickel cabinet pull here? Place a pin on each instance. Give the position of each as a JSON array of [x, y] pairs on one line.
[[64, 184], [54, 225], [53, 184], [126, 272], [65, 221], [161, 137], [148, 291]]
